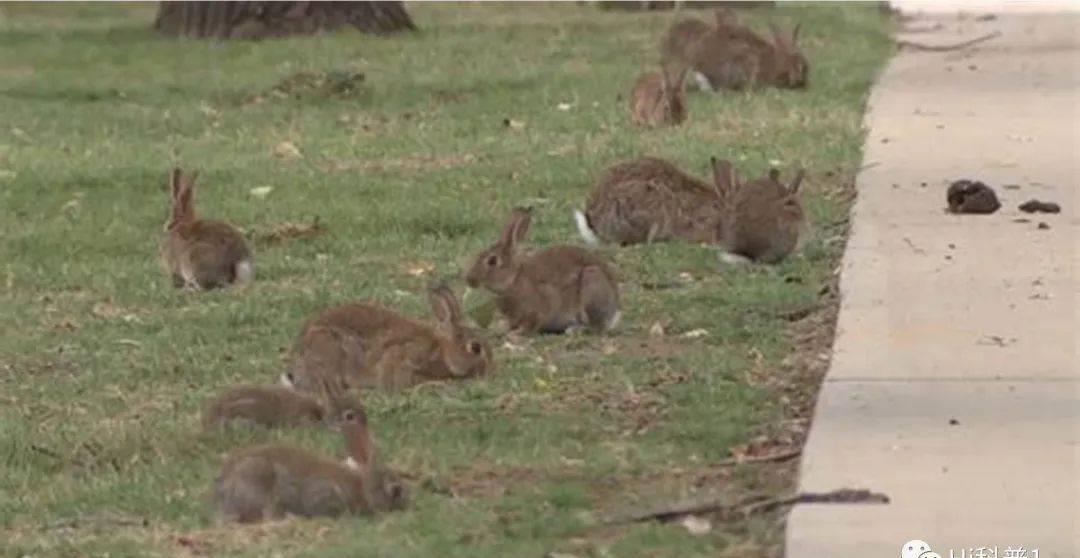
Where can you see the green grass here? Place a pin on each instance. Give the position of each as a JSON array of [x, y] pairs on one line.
[[103, 365]]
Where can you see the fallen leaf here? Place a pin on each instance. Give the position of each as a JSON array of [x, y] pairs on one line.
[[695, 333], [658, 329], [696, 525], [419, 269], [513, 124], [287, 150], [105, 309], [288, 230], [564, 106], [262, 191]]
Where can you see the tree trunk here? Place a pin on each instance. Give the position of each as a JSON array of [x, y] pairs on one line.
[[258, 20]]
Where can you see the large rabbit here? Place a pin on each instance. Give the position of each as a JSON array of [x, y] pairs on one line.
[[201, 254], [551, 291], [364, 345], [658, 97], [270, 481], [650, 200], [681, 36], [734, 57], [763, 219]]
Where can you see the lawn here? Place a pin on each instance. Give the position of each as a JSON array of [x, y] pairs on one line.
[[104, 366]]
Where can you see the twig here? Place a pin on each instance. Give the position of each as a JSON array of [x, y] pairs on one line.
[[946, 48], [73, 522], [841, 496], [778, 456], [750, 506], [50, 453]]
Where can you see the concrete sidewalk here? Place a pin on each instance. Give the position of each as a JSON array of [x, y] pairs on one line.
[[955, 381]]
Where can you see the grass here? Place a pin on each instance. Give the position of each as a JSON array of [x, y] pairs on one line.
[[103, 366]]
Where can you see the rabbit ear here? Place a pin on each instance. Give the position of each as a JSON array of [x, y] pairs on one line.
[[797, 182], [445, 306], [674, 75], [176, 178], [723, 177], [724, 16], [358, 439], [187, 191], [795, 33], [515, 229]]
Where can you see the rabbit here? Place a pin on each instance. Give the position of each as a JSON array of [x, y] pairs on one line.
[[270, 481], [649, 200], [681, 36], [274, 406], [551, 291], [764, 219], [658, 98], [201, 254], [735, 57], [364, 345]]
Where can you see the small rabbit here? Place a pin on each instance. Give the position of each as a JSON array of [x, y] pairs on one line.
[[269, 481], [681, 36], [649, 200], [734, 57], [763, 219], [364, 345], [275, 406], [551, 291], [201, 254], [658, 98]]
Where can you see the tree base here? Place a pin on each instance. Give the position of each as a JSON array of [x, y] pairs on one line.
[[260, 20]]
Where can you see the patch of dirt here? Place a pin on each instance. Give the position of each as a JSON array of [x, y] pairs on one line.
[[415, 163], [292, 231], [335, 84]]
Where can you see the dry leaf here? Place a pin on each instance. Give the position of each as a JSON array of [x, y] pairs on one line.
[[513, 124], [695, 333], [287, 150], [262, 191], [696, 525], [564, 106], [420, 269], [658, 329], [289, 230], [105, 309]]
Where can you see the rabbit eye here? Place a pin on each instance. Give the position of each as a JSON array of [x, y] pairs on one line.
[[475, 348], [492, 260], [349, 415]]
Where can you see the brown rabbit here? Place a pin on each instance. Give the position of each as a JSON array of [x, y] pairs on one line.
[[658, 98], [275, 406], [763, 219], [681, 36], [364, 345], [650, 200], [734, 57], [269, 481], [551, 291], [201, 254]]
